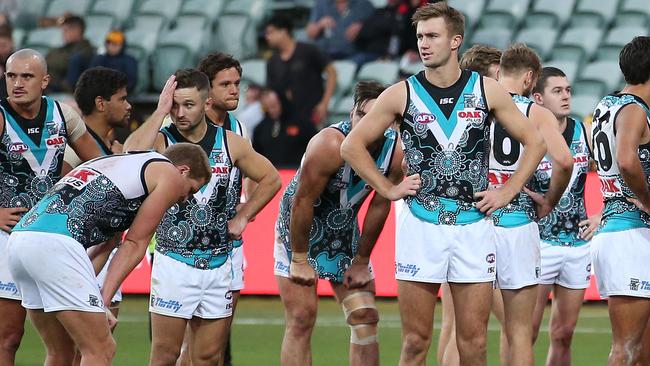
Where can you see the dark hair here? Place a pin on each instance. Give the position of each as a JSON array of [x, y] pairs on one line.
[[215, 62], [365, 91], [6, 31], [74, 20], [479, 58], [280, 21], [97, 81], [193, 156], [453, 18], [547, 72], [634, 60], [192, 78], [519, 58]]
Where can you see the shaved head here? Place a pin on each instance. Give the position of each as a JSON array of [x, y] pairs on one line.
[[28, 53]]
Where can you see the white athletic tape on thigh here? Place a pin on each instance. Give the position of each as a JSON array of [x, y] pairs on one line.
[[363, 334], [357, 301]]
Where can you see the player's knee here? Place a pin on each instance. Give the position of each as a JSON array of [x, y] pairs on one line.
[[301, 321], [362, 316], [415, 344], [10, 339], [164, 354], [562, 334], [207, 358], [625, 353], [472, 342]]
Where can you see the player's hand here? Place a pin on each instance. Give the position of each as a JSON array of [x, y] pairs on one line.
[[236, 227], [319, 114], [112, 320], [238, 208], [116, 147], [493, 199], [166, 98], [542, 206], [357, 275], [408, 187], [639, 205], [589, 226], [302, 273], [9, 217]]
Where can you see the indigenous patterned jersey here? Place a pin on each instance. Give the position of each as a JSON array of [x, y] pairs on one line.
[[31, 154], [236, 179], [445, 133], [619, 214], [195, 232], [334, 235], [95, 200], [560, 227], [505, 156]]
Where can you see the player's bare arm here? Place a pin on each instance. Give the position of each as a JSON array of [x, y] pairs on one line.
[[85, 147], [517, 125], [322, 159], [166, 187], [147, 136], [358, 274], [260, 170], [388, 107], [560, 155], [632, 131]]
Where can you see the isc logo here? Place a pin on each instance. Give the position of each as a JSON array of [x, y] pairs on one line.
[[55, 141], [470, 114], [425, 118], [446, 101], [18, 148]]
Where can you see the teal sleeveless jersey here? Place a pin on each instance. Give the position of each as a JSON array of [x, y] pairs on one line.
[[446, 137], [618, 213], [95, 200], [195, 232], [560, 227], [334, 235], [505, 156], [30, 156]]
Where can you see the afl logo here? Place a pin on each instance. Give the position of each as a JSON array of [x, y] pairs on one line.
[[18, 148], [490, 258], [425, 118]]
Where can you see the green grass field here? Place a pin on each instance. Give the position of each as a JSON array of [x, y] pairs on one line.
[[259, 324]]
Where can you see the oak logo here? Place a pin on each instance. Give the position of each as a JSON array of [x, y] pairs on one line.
[[80, 177], [470, 114], [53, 141]]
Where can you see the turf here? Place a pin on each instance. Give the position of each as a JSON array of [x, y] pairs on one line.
[[259, 324]]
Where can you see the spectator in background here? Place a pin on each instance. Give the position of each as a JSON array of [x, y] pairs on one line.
[[66, 63], [282, 142], [335, 25], [6, 49], [378, 35], [115, 58], [295, 72]]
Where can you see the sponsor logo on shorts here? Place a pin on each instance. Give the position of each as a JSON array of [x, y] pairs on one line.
[[8, 287], [161, 303], [281, 266], [589, 267], [228, 295], [538, 272], [634, 284], [95, 301], [410, 269], [491, 269], [490, 258]]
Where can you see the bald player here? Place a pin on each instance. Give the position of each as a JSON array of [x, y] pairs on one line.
[[34, 132]]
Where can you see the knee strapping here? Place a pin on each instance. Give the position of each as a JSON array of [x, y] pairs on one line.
[[362, 331]]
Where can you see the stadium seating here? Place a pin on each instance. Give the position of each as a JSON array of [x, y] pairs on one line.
[[550, 13], [496, 37], [168, 9], [633, 13], [381, 71], [59, 7], [584, 105], [18, 35], [598, 78], [345, 71], [254, 71], [576, 46], [569, 67], [120, 10], [97, 26], [232, 34], [616, 39], [472, 9], [211, 9], [541, 41], [43, 39], [594, 13], [175, 49], [504, 13]]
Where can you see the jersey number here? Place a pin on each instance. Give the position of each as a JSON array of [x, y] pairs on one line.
[[601, 143], [503, 141]]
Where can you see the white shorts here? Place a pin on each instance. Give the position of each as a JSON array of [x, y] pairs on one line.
[[569, 267], [518, 260], [8, 288], [101, 277], [426, 252], [53, 272], [237, 258], [182, 291], [621, 262]]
